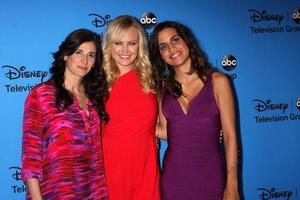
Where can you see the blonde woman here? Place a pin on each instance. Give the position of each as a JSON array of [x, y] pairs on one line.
[[129, 145]]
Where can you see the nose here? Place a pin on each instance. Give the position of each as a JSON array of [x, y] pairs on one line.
[[172, 47], [85, 59], [125, 48]]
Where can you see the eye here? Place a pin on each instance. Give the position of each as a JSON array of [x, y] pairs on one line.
[[132, 43], [78, 51], [92, 55], [118, 43], [176, 40], [163, 48]]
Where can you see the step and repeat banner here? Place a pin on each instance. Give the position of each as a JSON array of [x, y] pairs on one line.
[[255, 42]]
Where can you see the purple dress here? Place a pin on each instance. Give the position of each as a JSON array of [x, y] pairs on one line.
[[194, 164]]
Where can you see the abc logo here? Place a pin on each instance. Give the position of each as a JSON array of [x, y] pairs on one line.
[[298, 103], [229, 62], [296, 15], [148, 20]]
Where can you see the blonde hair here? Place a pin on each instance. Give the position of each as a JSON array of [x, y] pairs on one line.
[[142, 65]]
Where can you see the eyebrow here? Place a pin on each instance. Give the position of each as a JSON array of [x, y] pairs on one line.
[[79, 49], [170, 39], [175, 36], [125, 41]]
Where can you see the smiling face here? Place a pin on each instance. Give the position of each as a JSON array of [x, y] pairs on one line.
[[125, 50], [173, 49], [81, 61]]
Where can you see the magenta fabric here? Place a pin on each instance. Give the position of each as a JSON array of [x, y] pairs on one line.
[[62, 149], [193, 165]]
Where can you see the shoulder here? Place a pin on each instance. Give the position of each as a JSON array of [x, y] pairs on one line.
[[219, 78], [42, 89], [221, 82], [48, 85]]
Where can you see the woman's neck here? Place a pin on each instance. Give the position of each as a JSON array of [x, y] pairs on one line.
[[186, 78], [124, 70], [74, 86], [184, 75]]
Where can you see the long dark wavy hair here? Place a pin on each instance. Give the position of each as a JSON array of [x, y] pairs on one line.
[[94, 83], [199, 60]]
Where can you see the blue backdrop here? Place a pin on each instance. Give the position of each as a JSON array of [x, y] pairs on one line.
[[254, 42]]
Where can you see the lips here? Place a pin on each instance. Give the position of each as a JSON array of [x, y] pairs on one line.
[[83, 68], [124, 56], [175, 55]]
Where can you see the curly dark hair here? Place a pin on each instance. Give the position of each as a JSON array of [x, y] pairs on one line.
[[199, 60], [94, 82]]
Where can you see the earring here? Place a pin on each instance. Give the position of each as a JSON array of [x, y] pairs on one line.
[[166, 72]]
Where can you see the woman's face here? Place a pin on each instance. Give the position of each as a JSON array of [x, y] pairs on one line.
[[125, 51], [81, 61], [172, 48]]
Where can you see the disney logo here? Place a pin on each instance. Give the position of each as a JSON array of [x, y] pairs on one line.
[[16, 173], [268, 105], [266, 194], [100, 21], [15, 73], [257, 16]]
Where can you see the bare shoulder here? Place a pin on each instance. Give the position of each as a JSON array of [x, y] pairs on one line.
[[222, 89], [220, 80]]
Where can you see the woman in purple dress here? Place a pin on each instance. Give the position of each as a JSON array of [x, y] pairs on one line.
[[196, 104]]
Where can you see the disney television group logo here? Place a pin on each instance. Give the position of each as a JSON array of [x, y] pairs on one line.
[[273, 193], [15, 73], [273, 23], [270, 111], [148, 20], [16, 175]]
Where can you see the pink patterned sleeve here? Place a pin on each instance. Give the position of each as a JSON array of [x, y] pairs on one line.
[[32, 151]]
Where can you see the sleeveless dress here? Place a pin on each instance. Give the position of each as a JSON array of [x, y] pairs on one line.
[[194, 164], [129, 144]]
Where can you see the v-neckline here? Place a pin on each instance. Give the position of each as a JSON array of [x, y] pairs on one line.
[[190, 103]]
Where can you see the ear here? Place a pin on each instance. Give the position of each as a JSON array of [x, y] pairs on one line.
[[65, 58]]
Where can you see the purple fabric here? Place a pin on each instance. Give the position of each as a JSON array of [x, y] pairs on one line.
[[194, 164]]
